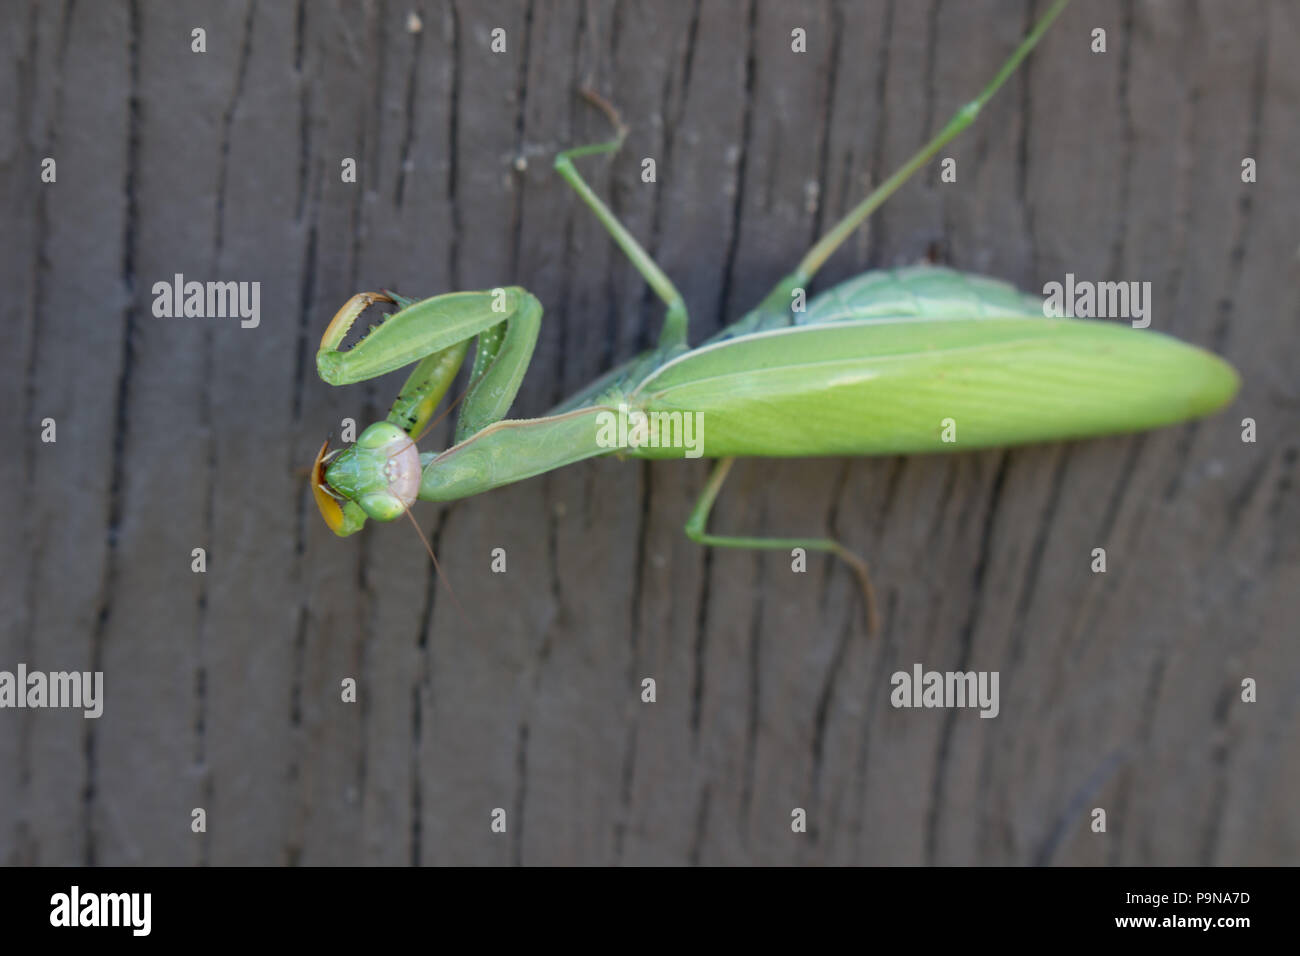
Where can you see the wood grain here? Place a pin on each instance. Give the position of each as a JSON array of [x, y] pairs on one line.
[[1119, 690]]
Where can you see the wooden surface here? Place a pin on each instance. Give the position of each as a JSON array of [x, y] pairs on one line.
[[1119, 691]]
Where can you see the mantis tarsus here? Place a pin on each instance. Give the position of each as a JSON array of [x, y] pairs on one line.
[[875, 365]]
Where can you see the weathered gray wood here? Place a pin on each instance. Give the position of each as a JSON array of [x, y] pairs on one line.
[[1120, 691]]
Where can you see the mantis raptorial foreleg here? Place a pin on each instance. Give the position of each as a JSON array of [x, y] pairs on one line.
[[435, 332], [380, 475], [424, 389]]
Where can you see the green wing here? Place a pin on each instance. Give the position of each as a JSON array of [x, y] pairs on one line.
[[912, 292], [853, 386], [923, 291]]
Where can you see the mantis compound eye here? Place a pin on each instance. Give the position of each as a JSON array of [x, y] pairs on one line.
[[326, 503], [381, 506]]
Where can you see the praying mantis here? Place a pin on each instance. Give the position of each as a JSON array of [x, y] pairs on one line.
[[914, 360]]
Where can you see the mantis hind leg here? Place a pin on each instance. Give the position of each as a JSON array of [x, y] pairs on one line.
[[699, 519], [778, 300], [674, 329]]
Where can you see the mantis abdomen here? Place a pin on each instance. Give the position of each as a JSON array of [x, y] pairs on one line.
[[920, 384]]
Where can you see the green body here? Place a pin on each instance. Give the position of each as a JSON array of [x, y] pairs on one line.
[[892, 362], [873, 367]]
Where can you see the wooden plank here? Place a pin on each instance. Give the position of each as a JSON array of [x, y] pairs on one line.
[[28, 96], [80, 322], [1119, 690]]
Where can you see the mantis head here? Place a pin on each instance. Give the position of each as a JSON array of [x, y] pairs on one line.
[[378, 477]]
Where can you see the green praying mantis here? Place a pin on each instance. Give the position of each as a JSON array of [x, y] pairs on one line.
[[890, 362]]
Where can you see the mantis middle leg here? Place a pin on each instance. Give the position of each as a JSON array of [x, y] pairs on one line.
[[674, 330]]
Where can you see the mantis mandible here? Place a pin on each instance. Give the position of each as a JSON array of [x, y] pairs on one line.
[[878, 365]]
